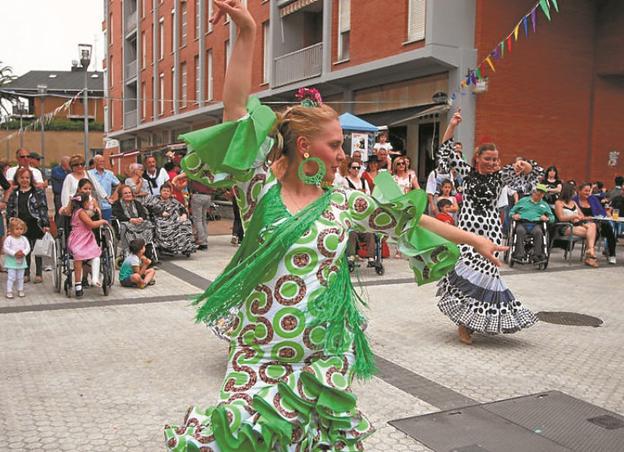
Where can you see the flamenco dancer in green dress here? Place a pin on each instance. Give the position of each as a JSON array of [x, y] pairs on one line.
[[297, 339]]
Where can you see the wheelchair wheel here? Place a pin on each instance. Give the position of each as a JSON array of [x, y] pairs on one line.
[[68, 287], [57, 262], [511, 262], [380, 270]]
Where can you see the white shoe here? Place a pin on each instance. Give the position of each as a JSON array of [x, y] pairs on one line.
[[612, 260], [21, 294], [9, 295]]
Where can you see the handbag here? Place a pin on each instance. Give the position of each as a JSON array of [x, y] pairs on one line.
[[44, 247]]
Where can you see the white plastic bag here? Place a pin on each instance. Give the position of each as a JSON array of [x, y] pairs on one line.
[[44, 247]]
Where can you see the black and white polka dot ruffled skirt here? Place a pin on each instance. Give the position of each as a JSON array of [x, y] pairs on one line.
[[474, 295]]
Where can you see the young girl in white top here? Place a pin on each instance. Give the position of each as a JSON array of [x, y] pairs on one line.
[[16, 248]]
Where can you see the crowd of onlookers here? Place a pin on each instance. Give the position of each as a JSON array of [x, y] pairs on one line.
[[156, 209], [148, 207], [588, 211]]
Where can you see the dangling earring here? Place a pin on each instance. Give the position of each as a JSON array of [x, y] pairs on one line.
[[316, 178]]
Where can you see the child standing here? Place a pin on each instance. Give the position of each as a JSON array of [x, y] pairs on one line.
[[82, 243], [134, 271], [444, 211], [16, 248]]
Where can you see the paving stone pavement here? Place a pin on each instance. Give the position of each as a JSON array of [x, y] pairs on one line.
[[109, 377]]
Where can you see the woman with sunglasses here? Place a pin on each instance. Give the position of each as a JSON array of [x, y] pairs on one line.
[[403, 177], [70, 184]]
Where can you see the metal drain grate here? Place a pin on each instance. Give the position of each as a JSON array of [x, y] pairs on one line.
[[547, 422], [569, 319]]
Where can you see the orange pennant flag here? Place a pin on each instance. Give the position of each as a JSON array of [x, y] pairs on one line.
[[489, 61], [516, 32]]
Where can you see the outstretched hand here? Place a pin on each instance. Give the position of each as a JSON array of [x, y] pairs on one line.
[[456, 119], [237, 11], [487, 248]]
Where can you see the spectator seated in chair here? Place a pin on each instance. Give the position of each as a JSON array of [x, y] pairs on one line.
[[533, 210]]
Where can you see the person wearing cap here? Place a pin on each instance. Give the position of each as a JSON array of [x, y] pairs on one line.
[[534, 210], [24, 161]]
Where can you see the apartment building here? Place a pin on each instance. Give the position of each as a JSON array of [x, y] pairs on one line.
[[393, 63]]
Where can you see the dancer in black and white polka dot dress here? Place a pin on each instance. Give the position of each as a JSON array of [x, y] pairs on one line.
[[473, 295]]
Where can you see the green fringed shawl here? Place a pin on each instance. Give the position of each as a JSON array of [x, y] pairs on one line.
[[335, 308]]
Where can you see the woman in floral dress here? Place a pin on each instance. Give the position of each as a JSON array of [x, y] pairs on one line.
[[473, 295], [297, 338]]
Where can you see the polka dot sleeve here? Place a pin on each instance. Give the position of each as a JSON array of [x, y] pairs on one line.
[[448, 159]]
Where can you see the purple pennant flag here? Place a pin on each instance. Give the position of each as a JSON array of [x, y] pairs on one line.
[[474, 78], [534, 18], [525, 23], [495, 53]]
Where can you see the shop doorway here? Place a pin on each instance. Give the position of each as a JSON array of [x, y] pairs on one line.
[[428, 142]]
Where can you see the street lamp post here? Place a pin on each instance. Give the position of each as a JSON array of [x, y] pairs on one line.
[[42, 90], [85, 60]]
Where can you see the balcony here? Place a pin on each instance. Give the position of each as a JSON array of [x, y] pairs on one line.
[[131, 22], [298, 65], [131, 70], [130, 119]]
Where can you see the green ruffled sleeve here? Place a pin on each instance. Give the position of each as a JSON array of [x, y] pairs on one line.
[[220, 155], [397, 215]]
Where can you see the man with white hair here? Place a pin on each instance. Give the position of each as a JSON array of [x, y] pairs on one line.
[[108, 181]]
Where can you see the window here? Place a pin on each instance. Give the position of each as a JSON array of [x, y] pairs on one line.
[[111, 74], [184, 83], [161, 94], [197, 18], [143, 50], [184, 17], [416, 20], [265, 52], [142, 8], [209, 71], [344, 29], [110, 30], [144, 99], [227, 53], [173, 29], [197, 79], [161, 38], [174, 98], [210, 11]]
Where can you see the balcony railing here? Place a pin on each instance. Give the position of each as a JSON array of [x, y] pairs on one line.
[[298, 65], [131, 70], [130, 119], [131, 22]]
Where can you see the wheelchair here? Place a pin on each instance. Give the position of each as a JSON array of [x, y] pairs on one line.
[[63, 264], [529, 245], [123, 252], [376, 262]]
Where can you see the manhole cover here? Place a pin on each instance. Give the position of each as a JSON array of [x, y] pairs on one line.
[[607, 421], [569, 318]]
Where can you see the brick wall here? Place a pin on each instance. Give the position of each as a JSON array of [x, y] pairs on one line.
[[539, 99]]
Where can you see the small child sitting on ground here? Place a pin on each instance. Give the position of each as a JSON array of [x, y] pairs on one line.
[[16, 247], [444, 208], [134, 271]]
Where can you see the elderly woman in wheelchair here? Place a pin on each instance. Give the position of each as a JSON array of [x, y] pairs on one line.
[[132, 221], [531, 216]]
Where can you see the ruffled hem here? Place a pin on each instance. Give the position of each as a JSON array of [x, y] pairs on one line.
[[276, 418], [222, 154], [482, 316], [430, 256], [478, 285]]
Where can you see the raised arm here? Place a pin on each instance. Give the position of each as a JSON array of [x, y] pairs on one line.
[[447, 157], [237, 85]]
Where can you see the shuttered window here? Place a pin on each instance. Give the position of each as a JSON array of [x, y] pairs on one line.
[[416, 20], [344, 28]]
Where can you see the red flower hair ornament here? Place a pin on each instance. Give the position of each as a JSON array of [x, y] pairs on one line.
[[309, 97]]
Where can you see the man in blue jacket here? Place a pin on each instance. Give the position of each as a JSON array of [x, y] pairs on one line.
[[534, 210]]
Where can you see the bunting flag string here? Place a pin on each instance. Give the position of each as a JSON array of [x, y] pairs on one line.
[[47, 117], [478, 74]]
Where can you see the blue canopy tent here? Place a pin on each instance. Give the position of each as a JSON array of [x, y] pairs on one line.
[[358, 134]]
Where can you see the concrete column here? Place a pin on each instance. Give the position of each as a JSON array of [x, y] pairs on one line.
[[467, 102], [176, 57], [275, 27], [202, 52], [327, 34], [155, 53]]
